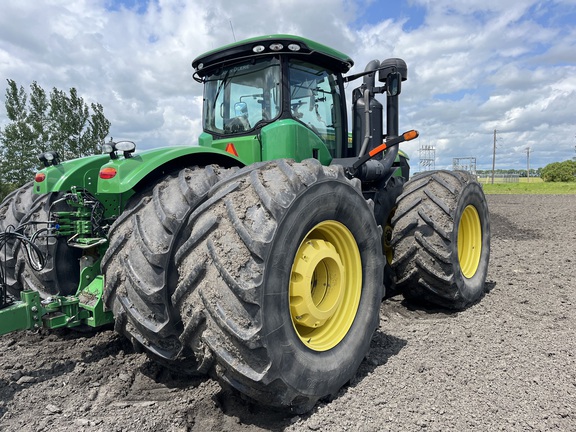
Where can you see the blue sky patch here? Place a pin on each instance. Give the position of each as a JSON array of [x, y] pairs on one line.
[[378, 11], [552, 14], [139, 6]]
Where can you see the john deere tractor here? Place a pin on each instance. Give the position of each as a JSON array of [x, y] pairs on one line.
[[260, 256]]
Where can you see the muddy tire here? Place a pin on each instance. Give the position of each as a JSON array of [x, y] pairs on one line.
[[61, 271], [279, 282], [136, 262], [441, 240], [12, 211]]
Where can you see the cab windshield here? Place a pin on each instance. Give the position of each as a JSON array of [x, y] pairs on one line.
[[242, 97]]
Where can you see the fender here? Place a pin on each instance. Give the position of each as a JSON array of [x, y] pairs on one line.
[[291, 139], [81, 172], [122, 175]]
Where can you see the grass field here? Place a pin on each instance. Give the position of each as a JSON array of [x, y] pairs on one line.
[[535, 186]]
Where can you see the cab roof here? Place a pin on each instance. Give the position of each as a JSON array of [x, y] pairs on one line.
[[274, 45]]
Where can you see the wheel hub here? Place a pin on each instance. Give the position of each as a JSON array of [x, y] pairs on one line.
[[317, 278], [469, 241], [325, 285]]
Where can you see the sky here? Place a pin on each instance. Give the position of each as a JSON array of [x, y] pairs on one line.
[[474, 66]]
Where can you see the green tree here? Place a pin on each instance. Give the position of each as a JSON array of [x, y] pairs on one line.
[[17, 138], [560, 172], [5, 189], [61, 122]]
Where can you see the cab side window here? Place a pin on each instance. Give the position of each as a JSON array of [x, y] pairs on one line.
[[315, 100]]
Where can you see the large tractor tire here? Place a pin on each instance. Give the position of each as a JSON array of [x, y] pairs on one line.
[[135, 264], [12, 211], [278, 282], [61, 272], [441, 240]]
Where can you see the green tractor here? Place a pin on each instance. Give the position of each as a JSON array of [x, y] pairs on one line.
[[261, 256]]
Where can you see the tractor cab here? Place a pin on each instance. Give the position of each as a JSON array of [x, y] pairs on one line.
[[275, 97]]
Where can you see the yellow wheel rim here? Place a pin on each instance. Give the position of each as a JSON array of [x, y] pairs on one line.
[[325, 285], [469, 241]]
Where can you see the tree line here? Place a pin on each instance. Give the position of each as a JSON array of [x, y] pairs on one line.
[[554, 172], [37, 122], [534, 172], [560, 171]]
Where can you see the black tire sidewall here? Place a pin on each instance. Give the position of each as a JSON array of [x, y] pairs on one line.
[[312, 372], [472, 289], [63, 275]]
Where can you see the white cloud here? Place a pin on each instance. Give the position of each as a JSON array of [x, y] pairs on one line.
[[474, 66]]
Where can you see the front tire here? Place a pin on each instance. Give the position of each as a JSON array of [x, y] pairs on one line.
[[441, 240], [280, 281]]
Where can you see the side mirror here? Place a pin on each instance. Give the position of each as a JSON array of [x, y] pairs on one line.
[[394, 84], [241, 109]]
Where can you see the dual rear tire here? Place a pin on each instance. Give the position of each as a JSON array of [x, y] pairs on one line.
[[441, 240], [274, 284]]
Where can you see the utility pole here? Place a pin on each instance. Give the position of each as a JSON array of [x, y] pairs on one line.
[[528, 163], [494, 157]]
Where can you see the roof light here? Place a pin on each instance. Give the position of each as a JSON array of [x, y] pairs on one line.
[[276, 46], [258, 49], [294, 47], [39, 177], [200, 66], [107, 173]]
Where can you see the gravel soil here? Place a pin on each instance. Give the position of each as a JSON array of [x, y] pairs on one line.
[[506, 363]]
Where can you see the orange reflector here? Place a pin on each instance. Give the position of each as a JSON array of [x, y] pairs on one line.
[[377, 150], [410, 135], [231, 149], [108, 173], [39, 177]]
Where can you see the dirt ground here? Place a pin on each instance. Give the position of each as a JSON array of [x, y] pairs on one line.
[[506, 363]]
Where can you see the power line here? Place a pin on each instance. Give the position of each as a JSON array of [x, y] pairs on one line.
[[528, 163], [232, 28], [464, 164], [494, 157]]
